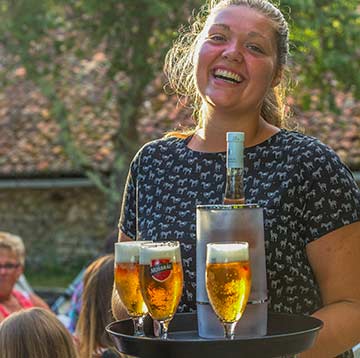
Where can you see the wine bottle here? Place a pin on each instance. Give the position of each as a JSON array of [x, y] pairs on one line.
[[234, 190]]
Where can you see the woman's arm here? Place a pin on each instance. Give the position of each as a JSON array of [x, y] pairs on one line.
[[117, 307], [335, 260], [38, 301]]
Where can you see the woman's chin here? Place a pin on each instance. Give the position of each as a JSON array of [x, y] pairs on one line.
[[221, 103]]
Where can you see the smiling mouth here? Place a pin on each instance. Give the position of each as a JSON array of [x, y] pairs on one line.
[[227, 76]]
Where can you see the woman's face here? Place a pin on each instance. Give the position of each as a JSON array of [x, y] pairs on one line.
[[10, 270], [236, 61]]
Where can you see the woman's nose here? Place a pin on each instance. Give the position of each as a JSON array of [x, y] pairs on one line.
[[233, 53]]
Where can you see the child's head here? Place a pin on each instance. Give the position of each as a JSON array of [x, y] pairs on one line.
[[35, 333]]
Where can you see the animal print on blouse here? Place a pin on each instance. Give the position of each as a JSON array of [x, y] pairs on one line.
[[303, 187]]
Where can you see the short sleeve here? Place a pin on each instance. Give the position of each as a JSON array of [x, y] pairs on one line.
[[75, 306], [332, 197], [127, 222]]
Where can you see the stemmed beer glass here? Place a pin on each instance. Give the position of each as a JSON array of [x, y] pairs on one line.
[[228, 282], [161, 281], [127, 282]]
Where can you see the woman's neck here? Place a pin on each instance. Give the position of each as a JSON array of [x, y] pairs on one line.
[[212, 136], [10, 303], [4, 298]]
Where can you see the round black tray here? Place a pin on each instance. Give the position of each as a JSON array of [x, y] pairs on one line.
[[287, 335]]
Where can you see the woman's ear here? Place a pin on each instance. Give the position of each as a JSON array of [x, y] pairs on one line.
[[19, 271], [277, 78]]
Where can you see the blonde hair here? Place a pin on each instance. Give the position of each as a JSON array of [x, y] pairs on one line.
[[14, 244], [179, 61], [95, 313], [35, 332]]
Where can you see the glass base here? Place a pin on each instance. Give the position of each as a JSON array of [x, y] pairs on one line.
[[138, 326], [229, 329]]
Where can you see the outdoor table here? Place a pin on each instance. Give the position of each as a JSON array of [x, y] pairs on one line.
[[287, 335]]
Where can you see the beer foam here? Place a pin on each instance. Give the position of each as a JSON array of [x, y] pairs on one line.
[[159, 251], [228, 252], [128, 251]]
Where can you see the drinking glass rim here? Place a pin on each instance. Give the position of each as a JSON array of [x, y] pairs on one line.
[[133, 242], [227, 242], [128, 251], [227, 255], [174, 243], [162, 249], [210, 207]]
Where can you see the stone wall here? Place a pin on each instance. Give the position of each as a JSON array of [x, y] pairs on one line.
[[60, 227]]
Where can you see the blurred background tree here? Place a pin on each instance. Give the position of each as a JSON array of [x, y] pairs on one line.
[[49, 39], [121, 44], [325, 49]]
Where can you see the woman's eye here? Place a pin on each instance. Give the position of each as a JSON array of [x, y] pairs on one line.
[[255, 48], [217, 37]]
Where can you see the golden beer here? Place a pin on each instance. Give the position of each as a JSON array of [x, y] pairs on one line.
[[127, 284], [228, 281], [228, 287], [162, 296], [161, 281]]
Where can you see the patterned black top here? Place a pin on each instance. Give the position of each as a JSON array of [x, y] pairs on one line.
[[304, 188]]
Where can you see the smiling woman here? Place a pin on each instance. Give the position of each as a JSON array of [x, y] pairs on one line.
[[232, 65], [236, 63], [269, 38], [12, 259]]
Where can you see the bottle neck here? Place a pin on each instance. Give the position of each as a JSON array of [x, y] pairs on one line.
[[234, 189]]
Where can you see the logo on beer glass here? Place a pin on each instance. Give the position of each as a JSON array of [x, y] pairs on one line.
[[160, 269]]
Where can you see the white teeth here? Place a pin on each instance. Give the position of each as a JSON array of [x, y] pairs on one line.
[[227, 75]]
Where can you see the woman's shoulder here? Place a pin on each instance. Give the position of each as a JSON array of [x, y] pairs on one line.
[[162, 144], [299, 139], [21, 295], [318, 161], [37, 301], [305, 146], [162, 147]]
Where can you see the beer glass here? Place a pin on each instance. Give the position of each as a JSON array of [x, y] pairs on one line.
[[127, 282], [161, 281], [228, 281]]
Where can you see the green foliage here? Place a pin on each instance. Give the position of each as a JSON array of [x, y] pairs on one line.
[[325, 46], [55, 275], [22, 23], [50, 279]]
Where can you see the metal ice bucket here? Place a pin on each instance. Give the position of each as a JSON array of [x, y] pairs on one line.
[[216, 223]]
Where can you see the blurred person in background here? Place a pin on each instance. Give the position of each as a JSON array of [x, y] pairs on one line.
[[95, 312], [72, 297], [35, 333], [12, 260]]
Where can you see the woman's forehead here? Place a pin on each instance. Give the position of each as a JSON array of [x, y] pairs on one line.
[[8, 254], [242, 19]]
